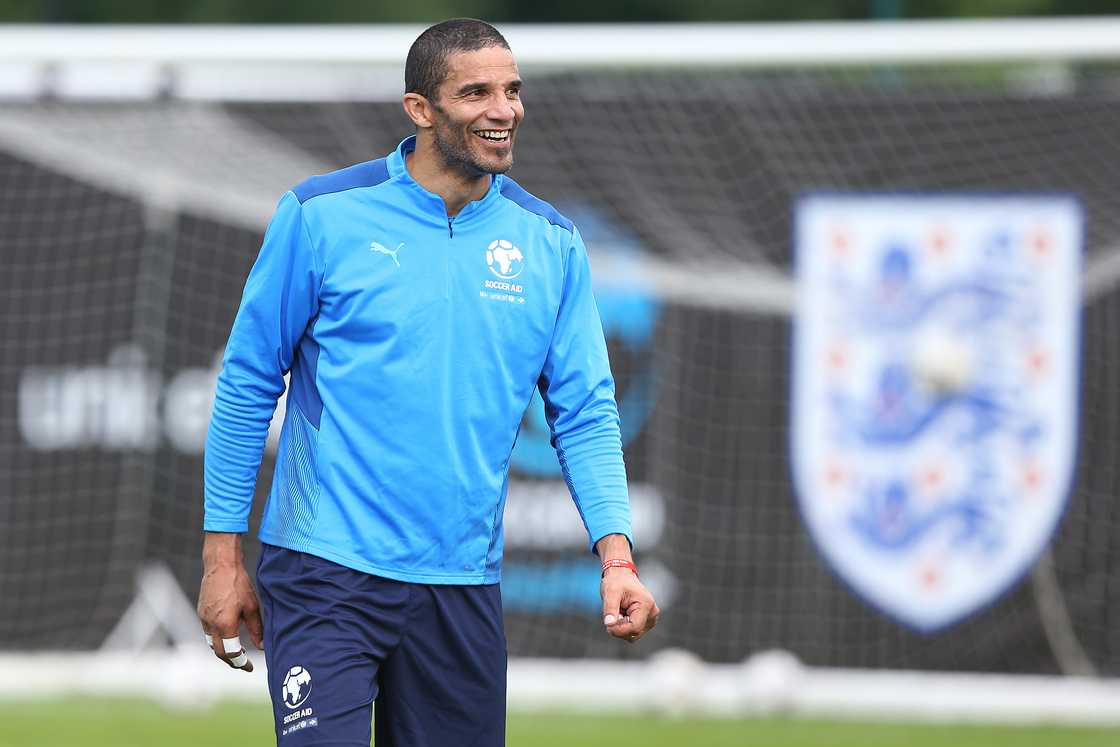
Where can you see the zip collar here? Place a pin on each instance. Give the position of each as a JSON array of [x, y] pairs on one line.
[[430, 201]]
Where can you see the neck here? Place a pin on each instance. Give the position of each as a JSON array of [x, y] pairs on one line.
[[426, 166]]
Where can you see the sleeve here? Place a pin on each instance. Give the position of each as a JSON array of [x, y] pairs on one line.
[[281, 296], [578, 392]]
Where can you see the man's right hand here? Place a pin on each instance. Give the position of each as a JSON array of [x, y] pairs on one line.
[[227, 599]]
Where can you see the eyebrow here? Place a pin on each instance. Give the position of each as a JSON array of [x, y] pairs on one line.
[[468, 87]]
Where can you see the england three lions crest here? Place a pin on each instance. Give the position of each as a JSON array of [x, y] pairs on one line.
[[934, 391]]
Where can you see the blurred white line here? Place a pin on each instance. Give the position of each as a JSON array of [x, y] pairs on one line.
[[672, 682], [759, 44], [720, 284]]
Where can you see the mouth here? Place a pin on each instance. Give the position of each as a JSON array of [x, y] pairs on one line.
[[494, 136]]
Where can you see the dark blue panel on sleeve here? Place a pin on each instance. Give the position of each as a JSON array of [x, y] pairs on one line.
[[513, 191], [368, 174]]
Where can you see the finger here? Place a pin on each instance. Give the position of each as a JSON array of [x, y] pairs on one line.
[[625, 629], [235, 654], [241, 661], [213, 640], [215, 644], [223, 656], [639, 615], [636, 624], [254, 625], [612, 605], [229, 650], [626, 633], [208, 633]]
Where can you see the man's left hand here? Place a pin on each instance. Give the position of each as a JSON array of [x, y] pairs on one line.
[[629, 611]]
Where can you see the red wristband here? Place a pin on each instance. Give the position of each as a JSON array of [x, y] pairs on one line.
[[619, 563]]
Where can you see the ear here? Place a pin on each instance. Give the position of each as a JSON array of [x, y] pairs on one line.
[[418, 109]]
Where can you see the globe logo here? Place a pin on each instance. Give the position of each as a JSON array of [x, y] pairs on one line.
[[297, 686], [504, 259]]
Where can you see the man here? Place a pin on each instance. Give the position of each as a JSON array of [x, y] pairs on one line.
[[417, 300]]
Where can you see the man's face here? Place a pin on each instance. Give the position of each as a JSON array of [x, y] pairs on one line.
[[477, 111]]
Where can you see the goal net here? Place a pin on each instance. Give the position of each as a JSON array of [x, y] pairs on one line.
[[131, 212]]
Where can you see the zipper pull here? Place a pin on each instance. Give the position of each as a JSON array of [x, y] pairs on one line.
[[450, 230]]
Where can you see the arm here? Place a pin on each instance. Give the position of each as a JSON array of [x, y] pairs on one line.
[[578, 392], [281, 296]]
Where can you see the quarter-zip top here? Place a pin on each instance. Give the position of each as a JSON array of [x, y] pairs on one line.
[[414, 343]]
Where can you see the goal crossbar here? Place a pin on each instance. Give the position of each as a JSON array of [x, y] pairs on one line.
[[195, 61], [755, 44]]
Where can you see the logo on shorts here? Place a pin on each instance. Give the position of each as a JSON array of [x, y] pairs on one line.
[[297, 687], [504, 259]]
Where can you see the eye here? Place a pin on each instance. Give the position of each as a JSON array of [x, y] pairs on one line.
[[514, 93]]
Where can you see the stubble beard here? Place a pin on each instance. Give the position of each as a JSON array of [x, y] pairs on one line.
[[457, 155]]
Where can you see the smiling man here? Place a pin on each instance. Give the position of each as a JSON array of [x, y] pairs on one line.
[[410, 370]]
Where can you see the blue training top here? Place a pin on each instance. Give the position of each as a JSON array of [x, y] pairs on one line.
[[414, 343]]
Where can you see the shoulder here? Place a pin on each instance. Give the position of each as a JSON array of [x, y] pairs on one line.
[[529, 202], [368, 174]]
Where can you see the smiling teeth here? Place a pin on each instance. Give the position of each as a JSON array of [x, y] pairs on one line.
[[493, 134]]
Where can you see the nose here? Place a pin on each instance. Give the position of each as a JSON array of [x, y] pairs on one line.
[[502, 109]]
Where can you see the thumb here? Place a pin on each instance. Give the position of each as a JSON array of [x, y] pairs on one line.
[[612, 602]]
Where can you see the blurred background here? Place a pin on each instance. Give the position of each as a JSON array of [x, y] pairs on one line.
[[518, 11], [142, 149]]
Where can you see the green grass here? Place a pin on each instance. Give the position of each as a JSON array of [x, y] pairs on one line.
[[119, 723]]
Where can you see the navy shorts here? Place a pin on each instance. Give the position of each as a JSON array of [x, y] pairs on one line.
[[429, 659]]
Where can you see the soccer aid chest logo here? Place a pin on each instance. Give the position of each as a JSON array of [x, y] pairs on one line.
[[504, 259]]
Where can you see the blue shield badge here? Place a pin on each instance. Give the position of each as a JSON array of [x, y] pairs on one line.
[[934, 391]]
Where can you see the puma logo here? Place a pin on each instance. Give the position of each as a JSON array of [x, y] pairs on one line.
[[375, 247]]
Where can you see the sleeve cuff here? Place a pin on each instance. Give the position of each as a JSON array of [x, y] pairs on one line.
[[225, 525], [598, 535]]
